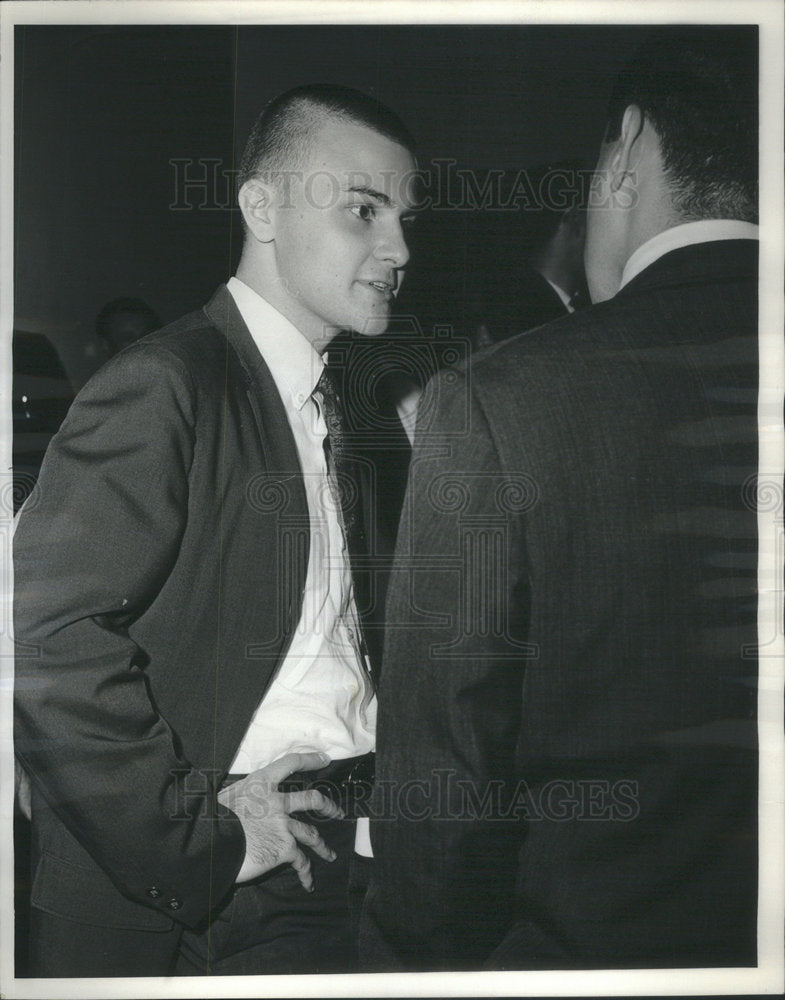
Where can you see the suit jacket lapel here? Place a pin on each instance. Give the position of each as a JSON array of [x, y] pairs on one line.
[[283, 484], [275, 432]]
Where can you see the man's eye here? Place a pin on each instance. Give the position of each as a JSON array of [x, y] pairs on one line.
[[363, 211]]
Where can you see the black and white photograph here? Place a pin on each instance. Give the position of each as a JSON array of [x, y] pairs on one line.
[[392, 511]]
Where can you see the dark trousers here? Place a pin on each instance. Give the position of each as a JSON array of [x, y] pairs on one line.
[[272, 925]]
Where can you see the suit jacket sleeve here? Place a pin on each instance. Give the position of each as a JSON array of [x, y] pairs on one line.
[[93, 548], [444, 841]]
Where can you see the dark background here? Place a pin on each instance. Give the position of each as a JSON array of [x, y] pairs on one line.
[[101, 111]]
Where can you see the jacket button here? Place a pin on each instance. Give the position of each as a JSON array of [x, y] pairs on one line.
[[153, 892], [174, 904]]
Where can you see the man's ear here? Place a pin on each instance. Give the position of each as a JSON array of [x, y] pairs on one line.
[[626, 155], [256, 201]]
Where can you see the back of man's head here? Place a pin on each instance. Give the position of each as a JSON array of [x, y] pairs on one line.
[[698, 88], [280, 137]]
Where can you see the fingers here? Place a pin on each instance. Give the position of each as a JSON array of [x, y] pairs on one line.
[[291, 762], [302, 866], [23, 793], [310, 836], [312, 800]]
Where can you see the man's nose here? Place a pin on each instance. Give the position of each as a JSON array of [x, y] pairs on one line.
[[393, 247]]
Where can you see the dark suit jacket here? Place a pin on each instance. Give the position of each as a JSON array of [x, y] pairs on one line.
[[567, 738], [159, 572]]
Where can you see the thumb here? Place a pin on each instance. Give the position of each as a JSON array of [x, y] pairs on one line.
[[291, 762]]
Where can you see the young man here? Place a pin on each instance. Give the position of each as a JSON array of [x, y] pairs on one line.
[[567, 741], [184, 601]]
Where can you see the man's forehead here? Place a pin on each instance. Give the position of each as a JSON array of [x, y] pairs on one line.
[[357, 156]]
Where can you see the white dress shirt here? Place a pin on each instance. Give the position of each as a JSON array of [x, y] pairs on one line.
[[321, 698], [687, 234]]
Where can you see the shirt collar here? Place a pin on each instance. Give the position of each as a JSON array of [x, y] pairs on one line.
[[561, 293], [293, 362], [703, 231]]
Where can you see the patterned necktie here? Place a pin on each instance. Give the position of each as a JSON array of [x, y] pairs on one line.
[[341, 470], [344, 479]]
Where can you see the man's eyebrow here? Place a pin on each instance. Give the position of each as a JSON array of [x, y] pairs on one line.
[[379, 196]]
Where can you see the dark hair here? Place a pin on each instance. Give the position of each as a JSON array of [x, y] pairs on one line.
[[279, 138], [120, 307], [698, 87]]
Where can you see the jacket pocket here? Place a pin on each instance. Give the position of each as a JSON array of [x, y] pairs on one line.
[[88, 896]]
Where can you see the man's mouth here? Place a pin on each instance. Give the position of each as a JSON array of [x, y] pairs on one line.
[[384, 287]]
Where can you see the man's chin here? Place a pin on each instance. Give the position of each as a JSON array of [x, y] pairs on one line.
[[373, 326]]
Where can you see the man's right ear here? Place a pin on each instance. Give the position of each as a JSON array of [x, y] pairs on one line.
[[627, 152], [256, 202]]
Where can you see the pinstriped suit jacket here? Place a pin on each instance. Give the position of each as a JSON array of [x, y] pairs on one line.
[[566, 737]]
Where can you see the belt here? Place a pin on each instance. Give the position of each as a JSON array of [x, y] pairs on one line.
[[346, 782]]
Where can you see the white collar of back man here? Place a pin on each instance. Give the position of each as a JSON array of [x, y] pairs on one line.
[[687, 234]]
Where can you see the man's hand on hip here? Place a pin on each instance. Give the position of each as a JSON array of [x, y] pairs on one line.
[[272, 835]]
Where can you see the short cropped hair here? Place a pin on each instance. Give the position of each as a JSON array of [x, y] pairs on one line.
[[280, 136], [698, 87]]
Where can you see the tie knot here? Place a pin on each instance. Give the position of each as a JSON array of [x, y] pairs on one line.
[[327, 387]]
